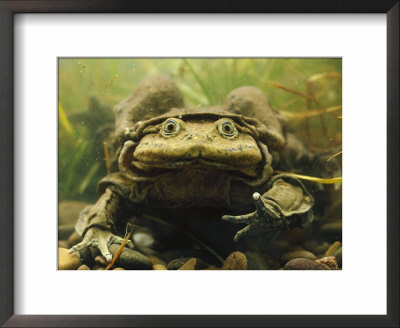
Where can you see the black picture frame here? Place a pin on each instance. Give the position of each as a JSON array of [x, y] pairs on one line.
[[7, 130]]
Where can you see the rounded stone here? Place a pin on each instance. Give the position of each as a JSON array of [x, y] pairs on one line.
[[321, 248], [177, 263], [83, 267], [330, 261], [298, 254], [189, 265], [304, 264], [159, 267], [235, 261], [101, 260], [118, 269], [67, 261], [131, 259], [156, 260], [333, 248], [338, 256]]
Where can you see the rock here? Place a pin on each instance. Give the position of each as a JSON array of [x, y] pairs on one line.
[[332, 230], [189, 265], [83, 267], [338, 256], [321, 248], [330, 261], [235, 261], [101, 260], [118, 268], [65, 230], [159, 267], [256, 261], [74, 239], [297, 254], [177, 263], [333, 248], [156, 260], [131, 259], [67, 261], [304, 264], [68, 211]]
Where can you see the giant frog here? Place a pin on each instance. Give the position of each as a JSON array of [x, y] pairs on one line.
[[173, 155]]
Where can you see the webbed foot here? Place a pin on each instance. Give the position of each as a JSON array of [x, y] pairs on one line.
[[101, 239], [259, 221]]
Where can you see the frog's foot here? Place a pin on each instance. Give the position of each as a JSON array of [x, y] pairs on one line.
[[259, 221], [101, 239]]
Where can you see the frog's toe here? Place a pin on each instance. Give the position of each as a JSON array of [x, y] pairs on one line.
[[248, 230], [80, 246], [238, 219]]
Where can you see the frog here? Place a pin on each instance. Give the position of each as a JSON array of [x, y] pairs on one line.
[[171, 154]]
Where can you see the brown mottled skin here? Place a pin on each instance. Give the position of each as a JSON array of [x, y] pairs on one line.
[[173, 155]]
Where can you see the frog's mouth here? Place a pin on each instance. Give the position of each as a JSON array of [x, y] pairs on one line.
[[196, 163], [132, 166]]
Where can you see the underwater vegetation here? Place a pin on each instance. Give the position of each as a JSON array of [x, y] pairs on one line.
[[304, 93]]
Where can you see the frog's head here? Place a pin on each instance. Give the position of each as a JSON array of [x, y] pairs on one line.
[[194, 141], [159, 132]]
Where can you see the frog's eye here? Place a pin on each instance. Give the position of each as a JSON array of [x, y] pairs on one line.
[[170, 127], [227, 129]]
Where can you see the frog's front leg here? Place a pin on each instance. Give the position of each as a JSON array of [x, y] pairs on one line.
[[100, 225], [287, 203]]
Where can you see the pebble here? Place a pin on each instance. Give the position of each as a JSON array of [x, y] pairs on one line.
[[83, 267], [304, 264], [321, 248], [189, 265], [131, 259], [333, 248], [177, 263], [159, 267], [338, 256], [156, 260], [235, 261], [330, 261], [67, 261], [298, 254], [101, 260], [118, 268]]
